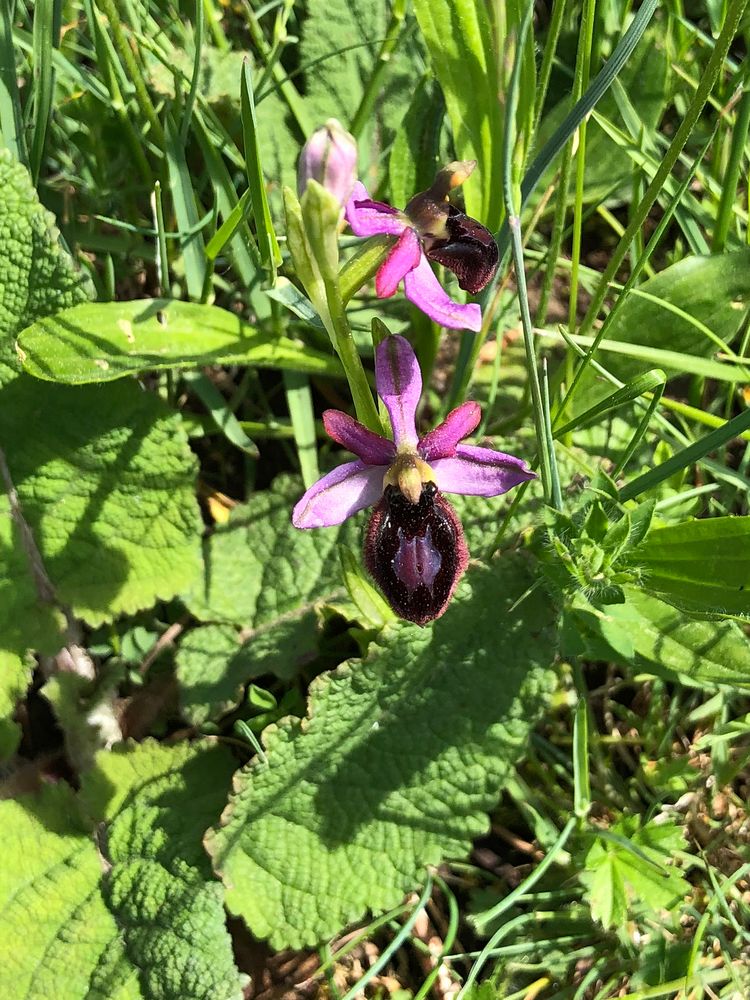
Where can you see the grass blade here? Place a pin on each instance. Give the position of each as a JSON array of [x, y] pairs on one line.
[[693, 453], [265, 234]]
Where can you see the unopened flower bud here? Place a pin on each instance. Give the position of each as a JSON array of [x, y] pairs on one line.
[[329, 157]]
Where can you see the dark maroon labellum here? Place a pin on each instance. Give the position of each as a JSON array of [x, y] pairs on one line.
[[415, 552], [470, 251]]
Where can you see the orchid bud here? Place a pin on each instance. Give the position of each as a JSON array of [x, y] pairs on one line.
[[329, 157]]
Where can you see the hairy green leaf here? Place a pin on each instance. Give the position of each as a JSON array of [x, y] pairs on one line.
[[101, 341], [105, 481], [701, 566], [37, 277], [394, 768], [115, 901]]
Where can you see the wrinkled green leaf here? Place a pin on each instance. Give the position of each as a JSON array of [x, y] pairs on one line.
[[216, 662], [700, 566], [394, 768], [37, 276], [101, 341], [258, 568], [106, 482], [115, 901]]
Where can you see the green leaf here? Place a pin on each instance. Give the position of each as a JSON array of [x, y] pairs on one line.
[[258, 568], [394, 768], [648, 634], [216, 662], [627, 868], [15, 677], [710, 291], [101, 341], [700, 566], [115, 901], [26, 622], [459, 38], [267, 244], [105, 480], [37, 277], [415, 154], [340, 44]]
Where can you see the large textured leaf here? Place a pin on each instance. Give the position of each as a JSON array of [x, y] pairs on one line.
[[26, 622], [105, 480], [715, 291], [102, 341], [394, 768], [701, 566], [215, 662], [36, 276], [124, 909], [646, 633], [258, 568], [264, 575]]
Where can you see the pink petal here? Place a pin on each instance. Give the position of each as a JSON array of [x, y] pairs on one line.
[[403, 258], [399, 384], [425, 291], [368, 217], [352, 435], [480, 472], [349, 488], [441, 443]]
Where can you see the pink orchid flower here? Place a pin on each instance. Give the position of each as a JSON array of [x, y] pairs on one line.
[[414, 546], [430, 228]]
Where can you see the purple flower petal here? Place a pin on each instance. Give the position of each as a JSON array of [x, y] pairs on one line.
[[349, 488], [441, 442], [480, 472], [399, 384], [368, 217], [403, 258], [423, 289], [352, 435]]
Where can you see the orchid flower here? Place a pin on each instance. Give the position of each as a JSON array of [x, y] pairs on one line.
[[430, 228], [414, 545]]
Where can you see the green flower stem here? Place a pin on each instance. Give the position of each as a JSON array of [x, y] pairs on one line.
[[702, 93], [312, 236], [343, 342]]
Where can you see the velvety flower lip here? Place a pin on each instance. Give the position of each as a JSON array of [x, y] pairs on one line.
[[429, 229], [407, 461]]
